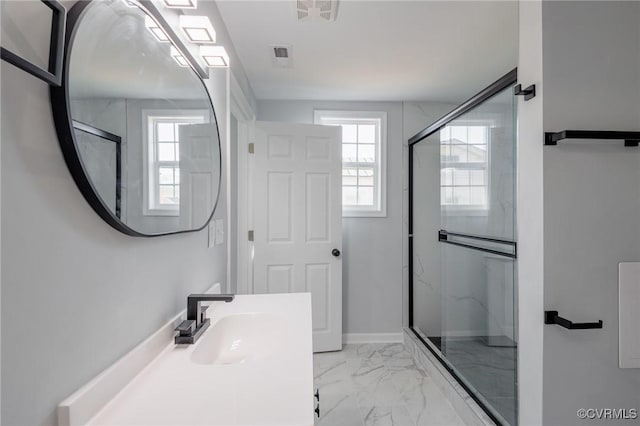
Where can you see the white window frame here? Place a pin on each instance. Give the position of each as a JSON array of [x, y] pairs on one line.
[[333, 117], [472, 209], [148, 156]]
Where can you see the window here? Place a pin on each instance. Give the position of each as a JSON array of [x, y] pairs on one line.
[[363, 160], [162, 153], [464, 161]]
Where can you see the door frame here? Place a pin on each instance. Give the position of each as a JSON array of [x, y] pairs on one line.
[[246, 117]]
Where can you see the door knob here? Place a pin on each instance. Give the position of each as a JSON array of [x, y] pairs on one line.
[[335, 252]]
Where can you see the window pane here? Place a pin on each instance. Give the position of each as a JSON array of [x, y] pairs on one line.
[[461, 195], [365, 196], [177, 148], [478, 195], [477, 134], [445, 134], [166, 152], [459, 153], [349, 176], [165, 175], [459, 134], [477, 154], [166, 195], [349, 152], [366, 153], [349, 133], [349, 195], [460, 177], [446, 177], [177, 175], [365, 176], [445, 152], [176, 192], [367, 133], [446, 195], [165, 132], [477, 177]]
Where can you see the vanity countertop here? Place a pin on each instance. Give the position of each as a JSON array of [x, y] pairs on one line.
[[276, 388]]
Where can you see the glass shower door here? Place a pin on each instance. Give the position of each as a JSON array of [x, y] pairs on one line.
[[477, 202], [464, 251]]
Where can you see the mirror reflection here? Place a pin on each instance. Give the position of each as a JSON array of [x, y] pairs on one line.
[[144, 126]]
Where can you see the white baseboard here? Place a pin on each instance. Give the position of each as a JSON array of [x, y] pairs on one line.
[[348, 338]]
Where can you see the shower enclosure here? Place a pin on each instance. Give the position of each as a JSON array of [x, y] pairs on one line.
[[462, 245]]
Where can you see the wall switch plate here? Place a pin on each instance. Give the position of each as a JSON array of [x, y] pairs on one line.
[[219, 232], [211, 232]]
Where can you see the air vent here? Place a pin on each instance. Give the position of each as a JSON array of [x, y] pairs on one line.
[[281, 52], [317, 10], [281, 56]]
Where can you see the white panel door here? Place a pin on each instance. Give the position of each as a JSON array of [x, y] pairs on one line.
[[199, 173], [297, 220]]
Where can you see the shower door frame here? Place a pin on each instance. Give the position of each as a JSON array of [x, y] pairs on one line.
[[496, 87]]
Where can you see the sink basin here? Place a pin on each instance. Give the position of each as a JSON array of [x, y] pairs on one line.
[[240, 338]]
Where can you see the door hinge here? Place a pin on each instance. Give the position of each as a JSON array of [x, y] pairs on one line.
[[252, 148], [250, 236]]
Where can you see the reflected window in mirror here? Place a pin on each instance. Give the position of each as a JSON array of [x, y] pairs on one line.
[[464, 165], [162, 183]]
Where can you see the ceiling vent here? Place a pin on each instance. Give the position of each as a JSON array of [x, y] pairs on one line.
[[281, 56], [317, 10]]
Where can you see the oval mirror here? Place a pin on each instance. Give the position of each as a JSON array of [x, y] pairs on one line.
[[136, 123]]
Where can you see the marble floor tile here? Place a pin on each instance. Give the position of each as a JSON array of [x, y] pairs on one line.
[[378, 384], [396, 415], [344, 413], [382, 391]]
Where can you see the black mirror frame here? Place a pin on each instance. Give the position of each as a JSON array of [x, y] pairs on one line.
[[53, 75], [60, 104]]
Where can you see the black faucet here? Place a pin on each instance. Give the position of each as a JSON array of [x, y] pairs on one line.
[[196, 323]]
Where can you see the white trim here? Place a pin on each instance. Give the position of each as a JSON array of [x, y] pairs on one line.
[[319, 115], [240, 106], [84, 404], [244, 114], [227, 168], [348, 338]]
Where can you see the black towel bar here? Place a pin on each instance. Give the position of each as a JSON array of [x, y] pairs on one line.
[[443, 237], [631, 139], [551, 317]]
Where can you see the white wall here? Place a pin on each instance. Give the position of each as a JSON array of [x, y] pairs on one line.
[[591, 201], [77, 294], [372, 247]]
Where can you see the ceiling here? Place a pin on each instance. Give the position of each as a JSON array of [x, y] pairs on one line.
[[376, 50]]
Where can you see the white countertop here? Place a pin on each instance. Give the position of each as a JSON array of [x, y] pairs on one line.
[[276, 390]]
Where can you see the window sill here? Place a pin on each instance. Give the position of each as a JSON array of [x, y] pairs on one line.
[[463, 212], [363, 213], [162, 213]]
